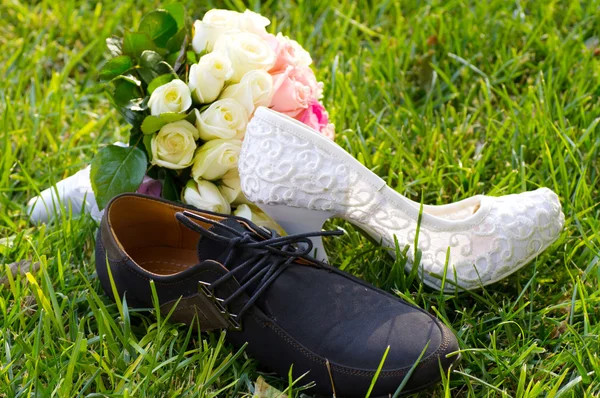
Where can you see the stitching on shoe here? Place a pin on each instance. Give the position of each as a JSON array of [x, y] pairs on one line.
[[125, 263], [340, 369], [169, 271], [362, 373], [163, 262]]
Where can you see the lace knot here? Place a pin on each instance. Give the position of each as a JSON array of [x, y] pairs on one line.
[[270, 255]]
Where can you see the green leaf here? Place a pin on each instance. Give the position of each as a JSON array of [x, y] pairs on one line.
[[131, 116], [148, 145], [115, 67], [165, 68], [160, 26], [159, 81], [191, 57], [172, 59], [129, 78], [170, 191], [147, 75], [177, 11], [116, 170], [175, 43], [135, 137], [135, 43], [151, 60], [114, 45], [152, 123], [125, 89]]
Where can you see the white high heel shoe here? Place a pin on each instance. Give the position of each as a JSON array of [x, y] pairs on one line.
[[301, 179]]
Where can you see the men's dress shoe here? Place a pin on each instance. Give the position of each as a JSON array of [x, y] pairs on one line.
[[224, 272], [301, 179]]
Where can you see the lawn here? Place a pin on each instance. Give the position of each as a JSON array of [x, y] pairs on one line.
[[442, 99]]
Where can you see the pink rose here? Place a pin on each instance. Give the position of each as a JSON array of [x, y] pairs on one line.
[[284, 53], [316, 117], [150, 186], [294, 90], [288, 52], [329, 131]]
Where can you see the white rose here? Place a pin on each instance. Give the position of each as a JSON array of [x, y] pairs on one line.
[[170, 97], [205, 36], [246, 51], [206, 196], [224, 118], [254, 90], [257, 216], [215, 158], [249, 21], [207, 77], [225, 19], [231, 189], [174, 145], [252, 22]]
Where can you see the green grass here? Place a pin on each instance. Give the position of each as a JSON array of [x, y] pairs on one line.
[[443, 99]]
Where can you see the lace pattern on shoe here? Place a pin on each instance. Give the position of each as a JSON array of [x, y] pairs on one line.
[[278, 167]]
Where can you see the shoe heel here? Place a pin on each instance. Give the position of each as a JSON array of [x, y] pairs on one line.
[[296, 220]]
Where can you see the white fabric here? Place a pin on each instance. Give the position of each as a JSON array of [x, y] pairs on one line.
[[285, 163], [75, 190]]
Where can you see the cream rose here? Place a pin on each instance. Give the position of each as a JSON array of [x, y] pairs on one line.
[[257, 216], [174, 145], [231, 189], [252, 22], [225, 19], [254, 90], [248, 21], [207, 77], [215, 158], [205, 36], [170, 97], [215, 23], [224, 118], [246, 51], [206, 196]]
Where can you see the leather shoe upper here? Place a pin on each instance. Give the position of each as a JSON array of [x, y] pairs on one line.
[[223, 272]]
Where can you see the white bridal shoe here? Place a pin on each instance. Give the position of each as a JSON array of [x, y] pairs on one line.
[[75, 190], [301, 179]]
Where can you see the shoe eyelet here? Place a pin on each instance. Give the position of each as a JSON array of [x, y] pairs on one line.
[[205, 290], [218, 303], [266, 230], [221, 307], [235, 325]]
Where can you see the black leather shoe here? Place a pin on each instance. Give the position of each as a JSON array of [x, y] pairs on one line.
[[224, 272]]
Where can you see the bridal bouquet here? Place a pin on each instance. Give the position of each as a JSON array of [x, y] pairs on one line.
[[188, 91]]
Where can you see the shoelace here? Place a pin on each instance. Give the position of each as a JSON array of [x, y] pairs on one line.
[[273, 255]]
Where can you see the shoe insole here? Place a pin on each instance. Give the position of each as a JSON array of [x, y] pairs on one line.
[[164, 260]]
